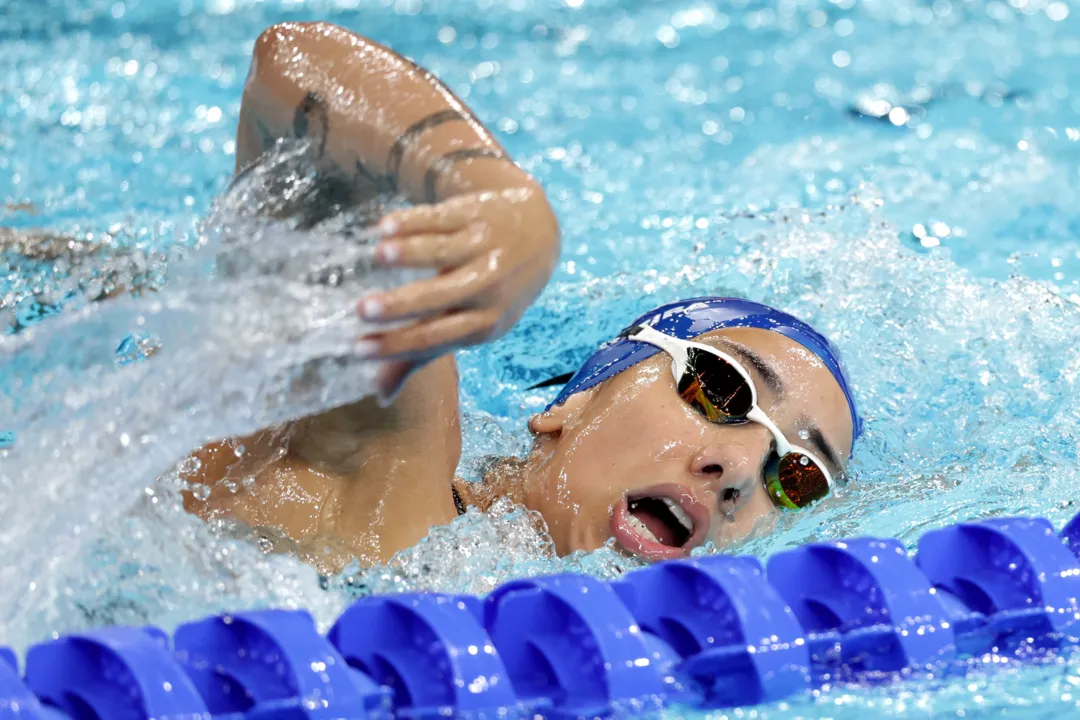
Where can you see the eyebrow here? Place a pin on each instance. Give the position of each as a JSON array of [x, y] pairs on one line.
[[814, 435], [768, 372], [817, 439]]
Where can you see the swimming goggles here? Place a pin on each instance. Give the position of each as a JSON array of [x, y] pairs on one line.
[[718, 387]]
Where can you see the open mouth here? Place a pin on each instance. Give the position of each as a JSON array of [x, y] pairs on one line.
[[662, 522]]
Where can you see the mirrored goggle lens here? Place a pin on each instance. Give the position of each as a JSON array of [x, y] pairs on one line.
[[795, 481], [712, 381]]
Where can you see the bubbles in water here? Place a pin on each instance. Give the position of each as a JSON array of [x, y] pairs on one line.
[[944, 441], [677, 168], [478, 552], [260, 338], [137, 346]]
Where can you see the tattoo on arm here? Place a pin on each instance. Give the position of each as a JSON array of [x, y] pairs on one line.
[[447, 161], [383, 183], [412, 134], [312, 120], [265, 136]]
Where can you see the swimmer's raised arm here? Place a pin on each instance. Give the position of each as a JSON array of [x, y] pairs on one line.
[[373, 114], [382, 122], [377, 478]]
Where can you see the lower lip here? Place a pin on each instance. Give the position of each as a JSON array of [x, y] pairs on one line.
[[637, 543]]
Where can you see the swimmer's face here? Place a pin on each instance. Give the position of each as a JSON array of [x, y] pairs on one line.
[[630, 460]]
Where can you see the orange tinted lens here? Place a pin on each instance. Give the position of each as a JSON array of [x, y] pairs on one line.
[[723, 385], [691, 392], [801, 480]]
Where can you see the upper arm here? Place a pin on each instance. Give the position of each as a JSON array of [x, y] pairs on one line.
[[284, 98], [343, 92]]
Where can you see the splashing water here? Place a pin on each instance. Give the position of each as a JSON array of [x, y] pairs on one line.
[[969, 387], [265, 337], [898, 172], [972, 409]]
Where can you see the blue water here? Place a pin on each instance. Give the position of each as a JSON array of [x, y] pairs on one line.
[[902, 173]]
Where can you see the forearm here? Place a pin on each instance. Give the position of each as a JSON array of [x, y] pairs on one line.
[[369, 113]]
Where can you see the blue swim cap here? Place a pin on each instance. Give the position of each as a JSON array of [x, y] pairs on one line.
[[687, 319]]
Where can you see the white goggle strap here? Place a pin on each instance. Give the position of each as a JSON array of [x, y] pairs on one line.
[[677, 348], [672, 346]]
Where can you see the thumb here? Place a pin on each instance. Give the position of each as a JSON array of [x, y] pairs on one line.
[[390, 380]]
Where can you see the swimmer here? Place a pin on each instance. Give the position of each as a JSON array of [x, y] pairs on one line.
[[657, 443], [691, 425]]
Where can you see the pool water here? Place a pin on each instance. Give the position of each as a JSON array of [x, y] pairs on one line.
[[903, 174]]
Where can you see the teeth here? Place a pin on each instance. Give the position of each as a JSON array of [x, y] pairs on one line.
[[642, 528], [680, 514]]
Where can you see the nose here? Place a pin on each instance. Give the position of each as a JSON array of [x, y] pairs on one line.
[[730, 464]]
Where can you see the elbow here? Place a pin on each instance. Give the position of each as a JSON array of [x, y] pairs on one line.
[[280, 48], [280, 43], [272, 46]]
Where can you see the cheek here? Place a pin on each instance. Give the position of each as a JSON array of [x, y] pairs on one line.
[[577, 509], [619, 449], [654, 424], [614, 449]]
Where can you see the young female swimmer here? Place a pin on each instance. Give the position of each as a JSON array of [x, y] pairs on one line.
[[697, 420]]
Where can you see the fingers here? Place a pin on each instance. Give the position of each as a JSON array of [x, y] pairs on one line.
[[441, 235], [446, 217], [425, 340], [430, 250], [451, 289]]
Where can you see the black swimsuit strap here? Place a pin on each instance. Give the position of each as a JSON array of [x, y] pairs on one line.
[[459, 505]]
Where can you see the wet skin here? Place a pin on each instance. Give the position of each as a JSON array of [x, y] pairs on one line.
[[630, 436], [368, 479], [634, 436]]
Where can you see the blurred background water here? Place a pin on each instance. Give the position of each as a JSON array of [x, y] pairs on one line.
[[902, 173]]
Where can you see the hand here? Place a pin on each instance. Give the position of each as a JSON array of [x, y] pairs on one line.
[[493, 253]]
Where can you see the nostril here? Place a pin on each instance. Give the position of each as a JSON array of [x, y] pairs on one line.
[[710, 469]]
